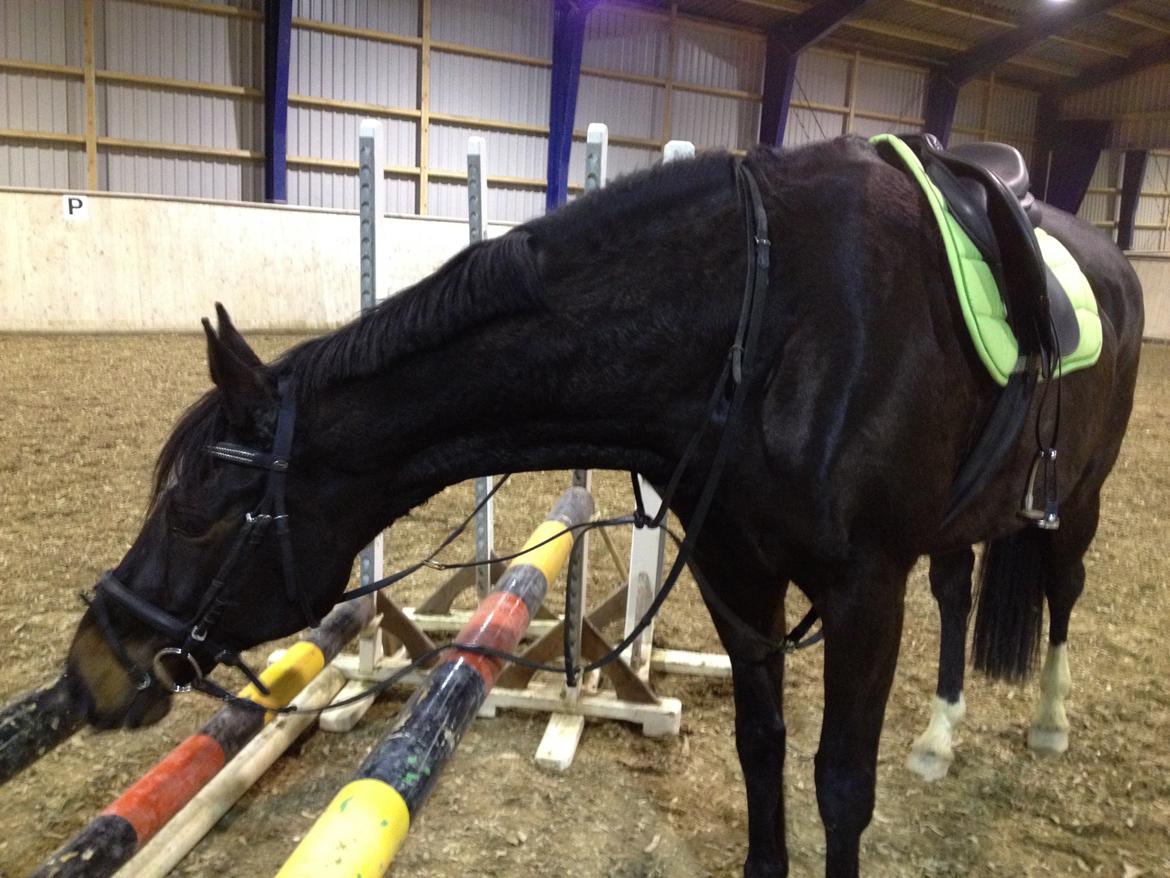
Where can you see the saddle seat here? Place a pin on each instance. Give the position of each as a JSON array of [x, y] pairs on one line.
[[986, 189]]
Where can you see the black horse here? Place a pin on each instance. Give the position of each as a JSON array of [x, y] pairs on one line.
[[593, 337]]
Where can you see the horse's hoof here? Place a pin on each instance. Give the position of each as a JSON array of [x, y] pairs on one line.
[[928, 765], [1048, 742]]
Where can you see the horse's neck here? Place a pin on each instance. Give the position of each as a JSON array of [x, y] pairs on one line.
[[580, 382]]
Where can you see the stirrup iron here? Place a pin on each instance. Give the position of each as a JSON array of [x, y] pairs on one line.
[[1043, 467]]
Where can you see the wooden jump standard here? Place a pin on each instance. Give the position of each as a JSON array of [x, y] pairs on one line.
[[365, 824], [111, 838]]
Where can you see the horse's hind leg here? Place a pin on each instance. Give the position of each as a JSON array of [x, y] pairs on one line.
[[863, 626], [950, 583], [1063, 585]]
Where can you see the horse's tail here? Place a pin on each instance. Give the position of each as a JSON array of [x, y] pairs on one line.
[[1010, 612]]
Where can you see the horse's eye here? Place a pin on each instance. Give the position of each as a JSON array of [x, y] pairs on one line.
[[186, 521]]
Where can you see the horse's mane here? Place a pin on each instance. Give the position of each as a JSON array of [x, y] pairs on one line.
[[484, 282]]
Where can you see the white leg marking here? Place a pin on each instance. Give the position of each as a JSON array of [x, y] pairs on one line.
[[1049, 732], [931, 755]]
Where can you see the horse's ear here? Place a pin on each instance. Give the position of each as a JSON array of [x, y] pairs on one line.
[[232, 340], [246, 388]]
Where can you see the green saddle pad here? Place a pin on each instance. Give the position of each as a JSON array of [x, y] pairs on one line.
[[983, 307]]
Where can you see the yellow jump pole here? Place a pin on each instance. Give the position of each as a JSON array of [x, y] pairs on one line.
[[365, 824]]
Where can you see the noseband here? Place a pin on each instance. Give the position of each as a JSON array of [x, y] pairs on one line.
[[172, 663]]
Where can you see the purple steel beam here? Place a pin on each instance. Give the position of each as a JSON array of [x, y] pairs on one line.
[[277, 48], [1131, 193], [990, 53], [1076, 146], [1102, 74], [942, 94], [785, 43], [568, 41]]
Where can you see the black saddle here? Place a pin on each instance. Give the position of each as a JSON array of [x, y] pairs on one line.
[[986, 189]]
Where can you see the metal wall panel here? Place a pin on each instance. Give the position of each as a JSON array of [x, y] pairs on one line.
[[1151, 211], [509, 154], [353, 69], [44, 31], [864, 127], [323, 187], [489, 89], [1141, 132], [174, 43], [388, 16], [504, 204], [1149, 240], [147, 40], [1107, 174], [519, 27], [1149, 90], [32, 102], [809, 126], [1012, 114], [711, 121], [631, 108], [970, 106], [164, 116], [629, 43], [1100, 207], [44, 166], [332, 134], [718, 58], [181, 176], [822, 78], [889, 89]]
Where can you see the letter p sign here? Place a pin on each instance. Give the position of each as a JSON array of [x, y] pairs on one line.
[[75, 207]]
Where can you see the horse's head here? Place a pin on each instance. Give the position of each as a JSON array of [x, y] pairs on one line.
[[247, 539]]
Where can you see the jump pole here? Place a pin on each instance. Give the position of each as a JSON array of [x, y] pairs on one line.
[[174, 841], [111, 838], [33, 725], [363, 827]]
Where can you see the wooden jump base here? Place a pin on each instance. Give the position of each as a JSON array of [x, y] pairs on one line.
[[35, 724], [111, 838], [365, 824]]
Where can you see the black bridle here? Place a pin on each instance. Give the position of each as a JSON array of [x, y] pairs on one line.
[[174, 663], [724, 407]]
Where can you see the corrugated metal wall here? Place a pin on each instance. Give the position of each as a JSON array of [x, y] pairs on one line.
[[1102, 202], [840, 93], [43, 32], [179, 96], [137, 42], [1152, 223], [176, 98], [345, 65], [1137, 104]]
